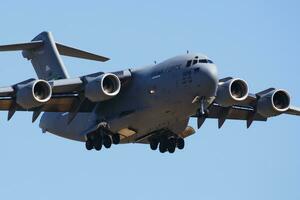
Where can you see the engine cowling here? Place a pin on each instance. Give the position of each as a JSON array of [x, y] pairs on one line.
[[273, 103], [103, 87], [33, 94], [231, 92]]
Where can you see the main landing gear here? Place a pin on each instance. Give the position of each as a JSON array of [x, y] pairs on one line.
[[165, 144], [102, 137]]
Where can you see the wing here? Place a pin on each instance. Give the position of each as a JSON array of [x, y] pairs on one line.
[[246, 112], [67, 95], [236, 112], [293, 111], [254, 107]]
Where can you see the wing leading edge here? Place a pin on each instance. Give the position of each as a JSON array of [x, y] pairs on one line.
[[67, 95], [246, 110]]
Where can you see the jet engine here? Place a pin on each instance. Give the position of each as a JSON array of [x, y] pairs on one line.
[[273, 103], [231, 92], [33, 94], [102, 88]]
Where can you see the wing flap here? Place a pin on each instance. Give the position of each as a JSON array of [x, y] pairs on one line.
[[235, 113], [64, 103]]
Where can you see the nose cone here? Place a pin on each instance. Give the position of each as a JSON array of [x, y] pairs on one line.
[[208, 80]]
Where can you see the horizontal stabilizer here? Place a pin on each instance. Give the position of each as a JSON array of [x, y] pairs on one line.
[[21, 46], [62, 49], [70, 51]]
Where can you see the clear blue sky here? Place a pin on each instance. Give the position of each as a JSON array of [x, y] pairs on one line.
[[255, 40]]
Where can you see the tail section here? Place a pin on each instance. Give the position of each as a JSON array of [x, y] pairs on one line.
[[45, 59], [44, 55]]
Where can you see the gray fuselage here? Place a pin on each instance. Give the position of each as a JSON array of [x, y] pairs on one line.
[[157, 97]]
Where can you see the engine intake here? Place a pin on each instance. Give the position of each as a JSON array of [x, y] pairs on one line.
[[231, 92], [273, 103], [103, 87], [33, 94]]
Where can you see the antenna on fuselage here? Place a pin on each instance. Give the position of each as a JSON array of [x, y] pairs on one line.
[[187, 52], [155, 62]]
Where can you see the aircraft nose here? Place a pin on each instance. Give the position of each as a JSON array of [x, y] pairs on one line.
[[208, 80]]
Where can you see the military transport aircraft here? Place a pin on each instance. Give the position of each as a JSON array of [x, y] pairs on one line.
[[149, 105]]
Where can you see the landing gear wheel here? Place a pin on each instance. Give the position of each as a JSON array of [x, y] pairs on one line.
[[107, 141], [162, 147], [154, 145], [172, 145], [116, 138], [89, 145], [180, 143], [98, 143]]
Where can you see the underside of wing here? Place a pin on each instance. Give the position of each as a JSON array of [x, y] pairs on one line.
[[61, 103], [234, 112], [65, 95], [293, 111], [234, 102]]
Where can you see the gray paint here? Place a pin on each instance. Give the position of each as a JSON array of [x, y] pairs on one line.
[[169, 107], [46, 61], [152, 99]]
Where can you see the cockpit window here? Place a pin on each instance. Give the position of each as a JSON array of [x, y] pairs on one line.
[[189, 63], [205, 61], [193, 62]]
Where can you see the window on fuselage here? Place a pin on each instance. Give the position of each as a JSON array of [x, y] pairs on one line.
[[203, 61], [195, 62]]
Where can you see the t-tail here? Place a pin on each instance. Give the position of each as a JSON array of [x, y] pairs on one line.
[[44, 54]]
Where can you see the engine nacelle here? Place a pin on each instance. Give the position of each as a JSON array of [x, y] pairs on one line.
[[103, 87], [273, 103], [33, 94], [231, 92]]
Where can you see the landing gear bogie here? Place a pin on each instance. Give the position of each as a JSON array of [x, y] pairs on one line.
[[167, 144], [101, 137]]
